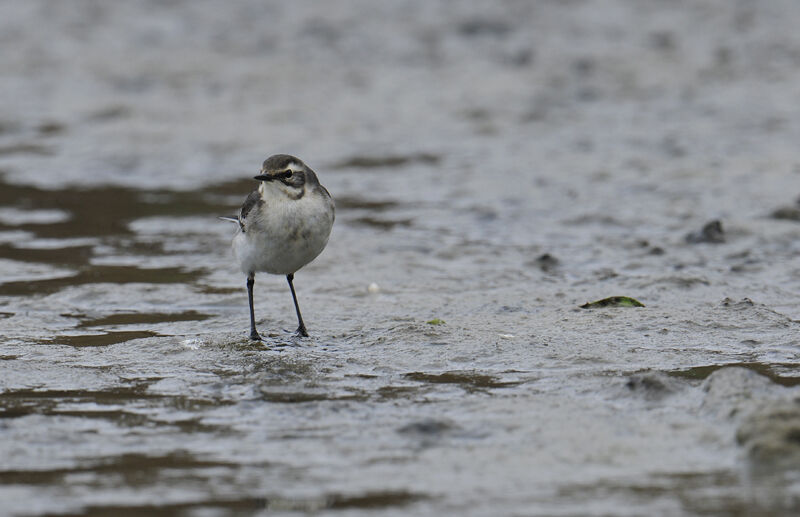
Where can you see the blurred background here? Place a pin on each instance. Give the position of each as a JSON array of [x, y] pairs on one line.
[[495, 165]]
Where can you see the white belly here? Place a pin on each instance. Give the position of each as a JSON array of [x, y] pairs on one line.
[[285, 237]]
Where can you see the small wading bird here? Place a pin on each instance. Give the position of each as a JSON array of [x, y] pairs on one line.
[[283, 226]]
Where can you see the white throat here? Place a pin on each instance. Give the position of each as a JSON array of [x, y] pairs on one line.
[[278, 191]]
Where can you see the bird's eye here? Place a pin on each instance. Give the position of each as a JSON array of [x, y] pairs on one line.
[[289, 173]]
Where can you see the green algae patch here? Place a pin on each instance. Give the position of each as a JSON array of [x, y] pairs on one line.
[[435, 321], [613, 301]]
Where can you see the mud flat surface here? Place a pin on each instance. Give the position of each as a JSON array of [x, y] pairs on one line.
[[496, 166]]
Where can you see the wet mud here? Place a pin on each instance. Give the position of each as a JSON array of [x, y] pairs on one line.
[[494, 168]]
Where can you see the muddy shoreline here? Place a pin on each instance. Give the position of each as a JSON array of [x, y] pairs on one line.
[[494, 167]]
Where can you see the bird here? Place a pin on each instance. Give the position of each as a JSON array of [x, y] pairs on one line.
[[282, 226]]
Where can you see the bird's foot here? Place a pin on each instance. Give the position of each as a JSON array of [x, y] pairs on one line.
[[301, 331], [254, 336]]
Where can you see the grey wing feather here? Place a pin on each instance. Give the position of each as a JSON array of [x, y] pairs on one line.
[[253, 200]]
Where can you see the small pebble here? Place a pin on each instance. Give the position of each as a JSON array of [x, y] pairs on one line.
[[192, 344], [711, 233], [373, 288]]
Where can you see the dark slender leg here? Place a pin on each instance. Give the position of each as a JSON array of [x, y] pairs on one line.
[[301, 327], [251, 279]]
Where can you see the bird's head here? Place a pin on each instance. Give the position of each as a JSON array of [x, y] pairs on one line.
[[287, 174]]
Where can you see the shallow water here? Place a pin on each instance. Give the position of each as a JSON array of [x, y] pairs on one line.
[[494, 168]]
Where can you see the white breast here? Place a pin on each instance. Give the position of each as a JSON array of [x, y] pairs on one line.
[[283, 235]]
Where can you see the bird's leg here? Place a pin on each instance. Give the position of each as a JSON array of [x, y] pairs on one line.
[[251, 279], [301, 327]]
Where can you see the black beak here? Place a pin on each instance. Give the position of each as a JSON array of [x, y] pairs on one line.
[[264, 177]]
